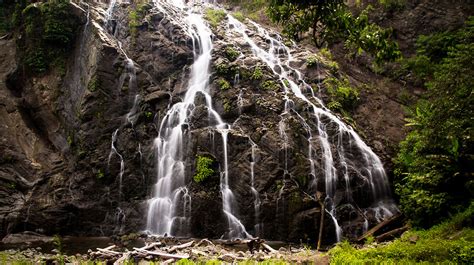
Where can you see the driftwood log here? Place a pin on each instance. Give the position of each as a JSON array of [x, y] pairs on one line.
[[391, 234], [169, 251], [376, 228]]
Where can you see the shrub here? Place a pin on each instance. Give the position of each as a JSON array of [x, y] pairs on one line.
[[94, 84], [333, 67], [100, 174], [214, 16], [446, 243], [270, 85], [392, 5], [227, 105], [231, 53], [59, 27], [36, 61], [433, 172], [257, 74], [326, 53], [341, 93], [311, 61], [239, 16], [224, 69], [49, 29], [203, 168], [223, 84], [135, 16]]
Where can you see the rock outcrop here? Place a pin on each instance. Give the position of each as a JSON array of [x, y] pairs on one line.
[[78, 155]]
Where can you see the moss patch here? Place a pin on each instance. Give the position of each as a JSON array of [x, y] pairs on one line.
[[203, 168]]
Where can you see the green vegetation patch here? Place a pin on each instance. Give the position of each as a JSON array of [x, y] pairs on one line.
[[332, 21], [203, 168], [253, 9], [257, 73], [392, 5], [270, 85], [49, 32], [312, 61], [434, 165], [135, 17], [231, 53], [447, 243], [342, 95], [223, 84], [214, 16]]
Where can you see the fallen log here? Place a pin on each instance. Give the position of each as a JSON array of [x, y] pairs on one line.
[[229, 257], [199, 253], [105, 250], [391, 234], [5, 36], [109, 247], [122, 259], [162, 254], [152, 245], [205, 240], [379, 226], [177, 247], [168, 261], [267, 247]]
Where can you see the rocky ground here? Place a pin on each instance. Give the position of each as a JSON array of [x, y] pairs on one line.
[[164, 251]]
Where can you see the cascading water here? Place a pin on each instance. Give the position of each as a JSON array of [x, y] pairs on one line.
[[256, 197], [331, 143], [169, 209], [278, 57]]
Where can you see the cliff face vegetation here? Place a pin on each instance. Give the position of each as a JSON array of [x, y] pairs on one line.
[[183, 119]]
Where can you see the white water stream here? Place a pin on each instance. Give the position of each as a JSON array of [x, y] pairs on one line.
[[277, 57], [170, 206], [169, 210]]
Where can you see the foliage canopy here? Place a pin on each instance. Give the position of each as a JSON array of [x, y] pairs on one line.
[[331, 20], [435, 163]]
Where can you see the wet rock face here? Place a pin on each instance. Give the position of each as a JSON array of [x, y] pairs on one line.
[[94, 164]]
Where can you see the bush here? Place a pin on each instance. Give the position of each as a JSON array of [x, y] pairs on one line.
[[341, 93], [231, 53], [214, 16], [434, 164], [59, 27], [270, 85], [311, 61], [223, 84], [392, 5], [257, 73], [203, 168], [135, 16], [94, 83], [49, 29], [239, 16], [36, 61], [445, 243]]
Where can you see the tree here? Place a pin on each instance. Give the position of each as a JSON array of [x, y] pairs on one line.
[[435, 164], [331, 20]]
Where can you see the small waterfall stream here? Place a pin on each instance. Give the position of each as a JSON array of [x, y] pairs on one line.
[[130, 118]]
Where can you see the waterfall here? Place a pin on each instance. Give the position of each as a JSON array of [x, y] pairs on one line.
[[256, 197], [171, 201], [278, 57], [331, 144]]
